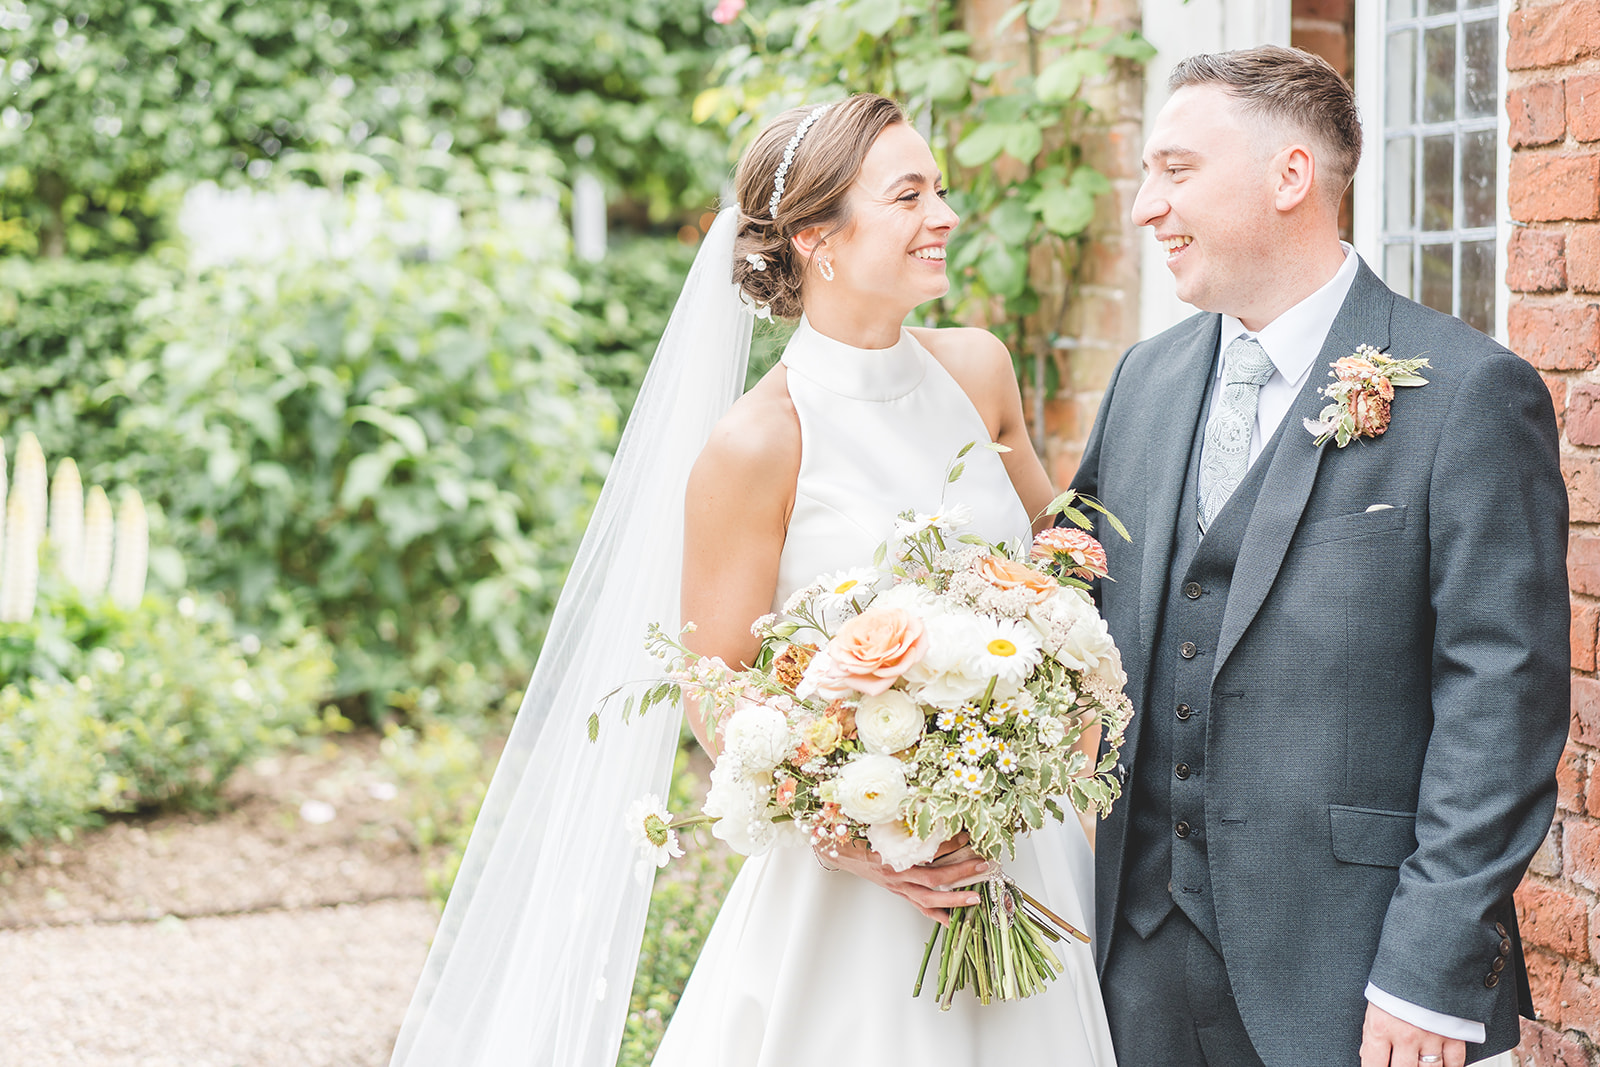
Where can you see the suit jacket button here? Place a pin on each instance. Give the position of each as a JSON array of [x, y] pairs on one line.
[[1498, 965], [1181, 770], [1184, 711], [1188, 650], [1192, 590], [1182, 830], [1491, 980], [1500, 928], [1505, 947]]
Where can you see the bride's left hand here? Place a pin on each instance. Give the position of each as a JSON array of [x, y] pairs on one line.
[[932, 888]]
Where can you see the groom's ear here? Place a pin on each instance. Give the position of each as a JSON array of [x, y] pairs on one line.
[[1294, 173]]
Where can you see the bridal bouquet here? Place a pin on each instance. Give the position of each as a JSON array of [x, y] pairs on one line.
[[940, 690]]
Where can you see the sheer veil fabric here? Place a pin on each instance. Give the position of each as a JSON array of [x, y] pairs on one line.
[[536, 951]]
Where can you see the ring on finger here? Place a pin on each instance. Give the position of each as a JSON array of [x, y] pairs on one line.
[[1432, 1057]]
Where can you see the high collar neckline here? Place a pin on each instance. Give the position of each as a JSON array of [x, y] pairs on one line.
[[859, 373]]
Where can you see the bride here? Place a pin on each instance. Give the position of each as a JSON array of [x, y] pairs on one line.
[[841, 222]]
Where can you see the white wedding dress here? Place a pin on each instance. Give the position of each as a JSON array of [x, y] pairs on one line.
[[805, 967]]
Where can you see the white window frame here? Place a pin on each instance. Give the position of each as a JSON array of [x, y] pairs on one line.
[[1369, 192]]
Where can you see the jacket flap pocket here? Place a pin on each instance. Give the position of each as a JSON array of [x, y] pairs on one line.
[[1359, 524], [1368, 835]]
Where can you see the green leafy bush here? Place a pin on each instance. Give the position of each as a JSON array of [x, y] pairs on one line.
[[139, 709]]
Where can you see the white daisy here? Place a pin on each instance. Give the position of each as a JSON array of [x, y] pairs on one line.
[[650, 828], [1005, 648]]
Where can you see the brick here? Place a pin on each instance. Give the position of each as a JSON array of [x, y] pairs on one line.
[[1553, 919], [1583, 258], [1553, 35], [1582, 475], [1328, 41], [1572, 778], [1591, 791], [1538, 114], [1543, 1047], [1546, 187], [1326, 10], [1583, 106], [1585, 628], [1583, 563], [1580, 855], [1583, 413], [1586, 711], [1563, 336], [1580, 996], [1537, 261], [1547, 861], [1558, 398], [1545, 975]]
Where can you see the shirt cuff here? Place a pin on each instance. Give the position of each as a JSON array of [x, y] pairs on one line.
[[1432, 1021]]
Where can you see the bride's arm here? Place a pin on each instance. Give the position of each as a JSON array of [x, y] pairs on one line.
[[737, 507]]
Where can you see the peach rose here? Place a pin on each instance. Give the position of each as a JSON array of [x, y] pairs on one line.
[[1353, 369], [1371, 412], [1077, 546], [1005, 573], [871, 650]]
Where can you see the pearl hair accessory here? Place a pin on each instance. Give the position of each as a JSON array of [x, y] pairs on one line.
[[756, 260], [788, 157]]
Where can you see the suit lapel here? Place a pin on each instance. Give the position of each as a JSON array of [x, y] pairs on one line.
[[1179, 399], [1364, 319]]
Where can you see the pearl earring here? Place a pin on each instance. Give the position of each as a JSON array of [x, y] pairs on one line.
[[825, 268]]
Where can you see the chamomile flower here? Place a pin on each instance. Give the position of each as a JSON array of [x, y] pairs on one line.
[[842, 588], [1007, 648], [949, 720], [998, 713], [970, 779], [1005, 761], [975, 747]]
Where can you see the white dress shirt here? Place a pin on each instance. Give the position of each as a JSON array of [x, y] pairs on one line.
[[1293, 341]]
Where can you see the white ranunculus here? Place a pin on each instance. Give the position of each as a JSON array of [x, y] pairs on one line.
[[901, 849], [871, 788], [758, 736], [1052, 731], [943, 677], [889, 722]]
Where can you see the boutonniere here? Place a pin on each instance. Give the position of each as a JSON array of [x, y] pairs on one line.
[[1362, 390]]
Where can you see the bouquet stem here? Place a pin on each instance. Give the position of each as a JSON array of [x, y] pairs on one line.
[[999, 947]]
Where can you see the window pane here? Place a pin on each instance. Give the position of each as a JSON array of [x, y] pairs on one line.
[[1439, 7], [1399, 176], [1402, 9], [1472, 4], [1397, 269], [1477, 179], [1436, 277], [1477, 285], [1439, 85], [1482, 89], [1438, 183], [1402, 78]]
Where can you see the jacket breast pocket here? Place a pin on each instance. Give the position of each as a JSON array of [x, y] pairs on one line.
[[1360, 524], [1372, 836]]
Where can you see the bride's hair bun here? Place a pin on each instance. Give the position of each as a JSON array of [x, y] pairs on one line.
[[816, 185]]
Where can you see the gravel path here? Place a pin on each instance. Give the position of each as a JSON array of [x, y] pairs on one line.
[[289, 930]]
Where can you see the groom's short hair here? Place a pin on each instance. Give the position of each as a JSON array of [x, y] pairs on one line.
[[1291, 87]]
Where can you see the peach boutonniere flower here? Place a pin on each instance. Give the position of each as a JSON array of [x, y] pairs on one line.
[[1362, 394]]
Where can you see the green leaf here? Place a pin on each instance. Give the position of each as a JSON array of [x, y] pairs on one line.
[[1041, 13], [1011, 221], [1009, 17], [594, 726], [880, 553], [1058, 82], [1131, 45], [877, 17], [1023, 141], [1066, 210], [968, 447], [981, 144], [956, 472], [973, 539], [365, 476], [1004, 270]]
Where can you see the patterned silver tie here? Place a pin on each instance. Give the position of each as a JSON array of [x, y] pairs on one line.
[[1226, 456]]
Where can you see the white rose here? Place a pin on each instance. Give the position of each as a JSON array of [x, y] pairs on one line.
[[1086, 644], [1051, 731], [899, 847], [889, 722], [871, 788], [758, 736]]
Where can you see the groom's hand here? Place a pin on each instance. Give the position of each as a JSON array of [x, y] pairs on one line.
[[932, 888], [1390, 1042]]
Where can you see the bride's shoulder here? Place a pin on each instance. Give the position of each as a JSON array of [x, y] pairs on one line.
[[977, 359], [757, 439]]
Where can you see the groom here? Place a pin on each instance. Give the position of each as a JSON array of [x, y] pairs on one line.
[[1351, 663]]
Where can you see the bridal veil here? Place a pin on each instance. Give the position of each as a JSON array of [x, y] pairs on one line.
[[535, 954]]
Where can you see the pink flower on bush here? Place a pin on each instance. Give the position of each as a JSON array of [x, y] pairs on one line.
[[1078, 547], [727, 11]]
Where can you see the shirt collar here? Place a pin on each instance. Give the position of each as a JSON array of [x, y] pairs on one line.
[[1293, 339]]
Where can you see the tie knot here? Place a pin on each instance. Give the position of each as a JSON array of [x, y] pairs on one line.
[[1247, 363]]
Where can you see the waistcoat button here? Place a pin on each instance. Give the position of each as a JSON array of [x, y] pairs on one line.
[[1181, 770], [1192, 590], [1182, 829], [1184, 711], [1188, 650]]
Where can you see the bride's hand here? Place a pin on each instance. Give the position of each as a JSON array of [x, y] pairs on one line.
[[932, 888]]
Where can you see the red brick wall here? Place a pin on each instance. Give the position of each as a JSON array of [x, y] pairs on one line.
[[1553, 98], [1328, 28]]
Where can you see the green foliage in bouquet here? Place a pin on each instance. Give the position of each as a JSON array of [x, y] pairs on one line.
[[113, 108]]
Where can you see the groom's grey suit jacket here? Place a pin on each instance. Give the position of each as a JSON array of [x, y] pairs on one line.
[[1389, 695]]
